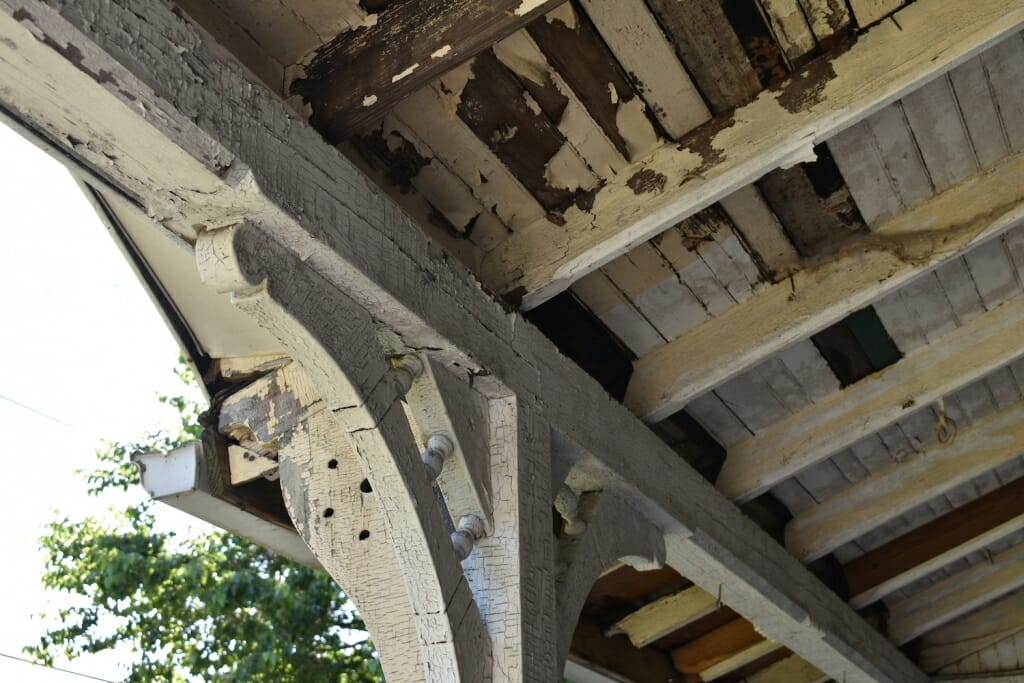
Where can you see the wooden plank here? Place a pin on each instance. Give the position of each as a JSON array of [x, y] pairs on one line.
[[710, 49], [761, 231], [744, 657], [846, 417], [777, 129], [665, 615], [867, 12], [573, 46], [607, 302], [359, 75], [935, 118], [828, 19], [1005, 67], [790, 28], [974, 95], [816, 297], [633, 35], [859, 159], [913, 482], [715, 647], [960, 594], [961, 638], [793, 669], [935, 544], [339, 245]]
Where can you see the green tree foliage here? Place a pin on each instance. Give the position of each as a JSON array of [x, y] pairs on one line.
[[203, 607]]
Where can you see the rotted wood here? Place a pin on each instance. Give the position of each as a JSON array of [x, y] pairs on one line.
[[334, 341], [359, 75], [932, 546], [248, 156]]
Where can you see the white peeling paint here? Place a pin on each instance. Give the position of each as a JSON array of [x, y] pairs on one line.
[[504, 135], [408, 72], [531, 103], [521, 55], [527, 6], [567, 171], [635, 128], [369, 100], [563, 13], [441, 52], [613, 93]]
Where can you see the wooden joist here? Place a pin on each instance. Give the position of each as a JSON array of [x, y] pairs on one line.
[[792, 669], [840, 420], [777, 129], [742, 658], [665, 615], [348, 249], [970, 634], [936, 544], [874, 501], [986, 204], [716, 647], [359, 75], [957, 595]]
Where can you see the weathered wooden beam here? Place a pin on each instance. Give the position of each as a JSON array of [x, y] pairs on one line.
[[793, 669], [196, 155], [936, 544], [923, 476], [665, 615], [843, 418], [743, 657], [359, 75], [778, 128], [986, 204], [953, 597], [970, 634]]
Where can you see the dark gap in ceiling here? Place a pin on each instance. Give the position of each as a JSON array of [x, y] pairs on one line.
[[857, 346], [585, 340]]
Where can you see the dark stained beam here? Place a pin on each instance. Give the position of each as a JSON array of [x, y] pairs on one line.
[[715, 647], [933, 545], [359, 75]]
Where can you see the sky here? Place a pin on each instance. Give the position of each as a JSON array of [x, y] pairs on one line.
[[83, 354]]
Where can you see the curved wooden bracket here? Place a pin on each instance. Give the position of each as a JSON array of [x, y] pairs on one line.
[[334, 340]]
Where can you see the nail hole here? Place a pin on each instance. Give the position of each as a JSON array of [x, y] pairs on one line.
[[332, 464], [363, 535], [329, 512], [365, 486]]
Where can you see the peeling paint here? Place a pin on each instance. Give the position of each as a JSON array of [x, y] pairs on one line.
[[504, 135], [613, 93], [567, 171], [635, 128], [408, 72], [441, 52], [369, 100], [565, 14], [527, 6], [532, 103]]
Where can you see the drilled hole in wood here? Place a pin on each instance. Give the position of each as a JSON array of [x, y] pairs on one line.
[[365, 486], [363, 535], [329, 512], [332, 464]]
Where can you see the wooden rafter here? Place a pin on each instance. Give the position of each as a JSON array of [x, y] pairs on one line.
[[936, 544], [976, 631], [924, 476], [336, 245], [986, 204], [777, 129]]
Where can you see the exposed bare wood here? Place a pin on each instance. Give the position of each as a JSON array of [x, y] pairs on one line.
[[779, 127], [665, 615], [716, 647], [339, 238], [953, 597], [927, 548], [740, 659], [633, 34], [897, 251], [789, 670], [885, 496], [867, 12], [789, 25], [967, 635], [361, 74]]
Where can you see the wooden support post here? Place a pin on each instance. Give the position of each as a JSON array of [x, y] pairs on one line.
[[182, 129]]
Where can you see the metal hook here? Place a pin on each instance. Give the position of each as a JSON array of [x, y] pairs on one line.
[[945, 427]]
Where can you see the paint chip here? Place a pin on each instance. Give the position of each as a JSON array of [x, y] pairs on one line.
[[408, 72], [613, 92], [527, 6], [439, 53], [531, 103], [563, 13], [369, 100]]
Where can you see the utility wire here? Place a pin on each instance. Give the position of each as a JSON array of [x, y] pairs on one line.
[[56, 668], [42, 414]]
